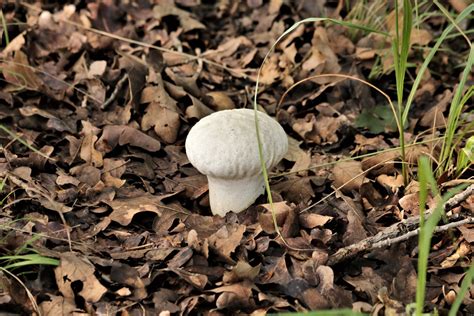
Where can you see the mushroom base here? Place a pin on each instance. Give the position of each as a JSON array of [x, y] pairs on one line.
[[235, 195]]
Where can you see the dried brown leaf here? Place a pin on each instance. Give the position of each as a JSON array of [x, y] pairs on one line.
[[19, 72], [124, 209], [88, 152], [219, 101], [73, 268], [58, 305], [312, 220], [187, 21], [241, 271], [114, 135], [462, 251], [226, 239], [348, 175], [281, 209], [198, 109]]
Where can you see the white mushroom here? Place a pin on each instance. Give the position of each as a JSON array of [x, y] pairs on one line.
[[223, 146]]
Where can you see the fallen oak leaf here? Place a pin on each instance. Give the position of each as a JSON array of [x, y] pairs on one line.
[[73, 268], [265, 218], [124, 209]]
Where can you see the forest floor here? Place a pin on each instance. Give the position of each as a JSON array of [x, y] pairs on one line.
[[96, 101]]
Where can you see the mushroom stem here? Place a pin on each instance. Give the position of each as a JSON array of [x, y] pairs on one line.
[[227, 195]]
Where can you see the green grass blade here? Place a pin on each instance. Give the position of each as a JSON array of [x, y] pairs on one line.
[[5, 29], [400, 51], [465, 285], [466, 12], [427, 226], [454, 115], [27, 260]]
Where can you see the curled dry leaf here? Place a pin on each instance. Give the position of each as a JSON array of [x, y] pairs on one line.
[[21, 178], [355, 230], [195, 279], [219, 101], [322, 59], [301, 158], [97, 68], [462, 251], [467, 233], [312, 220], [369, 282], [73, 268], [320, 130], [391, 182], [88, 152], [197, 109], [114, 135], [434, 117], [124, 274], [270, 71], [228, 48]]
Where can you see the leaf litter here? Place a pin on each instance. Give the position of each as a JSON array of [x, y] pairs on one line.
[[111, 194]]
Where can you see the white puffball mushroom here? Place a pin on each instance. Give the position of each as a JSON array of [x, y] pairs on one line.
[[223, 146]]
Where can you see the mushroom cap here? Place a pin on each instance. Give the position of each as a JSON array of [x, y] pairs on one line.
[[224, 144]]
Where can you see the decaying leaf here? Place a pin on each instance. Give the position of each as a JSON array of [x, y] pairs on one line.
[[74, 268]]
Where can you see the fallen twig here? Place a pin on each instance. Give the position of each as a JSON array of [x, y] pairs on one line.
[[400, 231], [413, 233], [114, 94]]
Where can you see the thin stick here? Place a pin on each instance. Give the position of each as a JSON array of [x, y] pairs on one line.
[[114, 94], [413, 233], [394, 231]]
